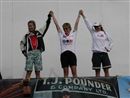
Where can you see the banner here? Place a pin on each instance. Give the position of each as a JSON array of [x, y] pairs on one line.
[[83, 87], [124, 86]]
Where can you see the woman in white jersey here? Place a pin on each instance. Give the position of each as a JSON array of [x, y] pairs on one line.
[[68, 46], [101, 44]]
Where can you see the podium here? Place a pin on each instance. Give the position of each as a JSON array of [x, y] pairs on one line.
[[57, 87]]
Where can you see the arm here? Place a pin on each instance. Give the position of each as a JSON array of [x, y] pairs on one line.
[[56, 22], [45, 28], [23, 44], [88, 24], [110, 42], [77, 22]]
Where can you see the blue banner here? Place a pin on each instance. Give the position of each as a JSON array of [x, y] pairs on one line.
[[124, 86]]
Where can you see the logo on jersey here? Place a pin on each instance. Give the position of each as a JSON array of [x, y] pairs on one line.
[[67, 41]]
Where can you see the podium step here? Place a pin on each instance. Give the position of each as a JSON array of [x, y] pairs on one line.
[[57, 87]]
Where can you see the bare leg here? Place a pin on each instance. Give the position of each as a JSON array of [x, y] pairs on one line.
[[74, 70], [37, 74], [97, 72], [28, 75], [66, 72], [26, 88], [106, 72]]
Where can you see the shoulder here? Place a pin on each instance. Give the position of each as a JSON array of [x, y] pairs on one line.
[[38, 32], [26, 35], [61, 33], [74, 32]]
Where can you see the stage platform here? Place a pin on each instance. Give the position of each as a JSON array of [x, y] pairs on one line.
[[57, 87]]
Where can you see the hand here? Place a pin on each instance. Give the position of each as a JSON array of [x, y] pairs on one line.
[[107, 49], [81, 12], [51, 13]]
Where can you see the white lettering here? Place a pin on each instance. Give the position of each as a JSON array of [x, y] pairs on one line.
[[68, 80]]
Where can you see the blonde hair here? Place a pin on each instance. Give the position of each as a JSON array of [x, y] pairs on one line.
[[66, 25]]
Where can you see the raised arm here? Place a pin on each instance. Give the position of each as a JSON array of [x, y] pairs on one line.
[[88, 24], [45, 28], [55, 22], [77, 22]]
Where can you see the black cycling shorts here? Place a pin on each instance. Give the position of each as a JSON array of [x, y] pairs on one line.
[[68, 58], [101, 58]]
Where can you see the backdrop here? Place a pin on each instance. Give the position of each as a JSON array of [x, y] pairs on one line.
[[113, 14]]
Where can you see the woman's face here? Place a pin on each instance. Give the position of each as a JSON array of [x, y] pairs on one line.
[[31, 27], [97, 28], [67, 30]]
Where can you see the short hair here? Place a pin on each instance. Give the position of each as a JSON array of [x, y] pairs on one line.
[[66, 25], [33, 22]]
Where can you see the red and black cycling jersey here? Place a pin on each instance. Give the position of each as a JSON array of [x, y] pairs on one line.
[[35, 41]]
